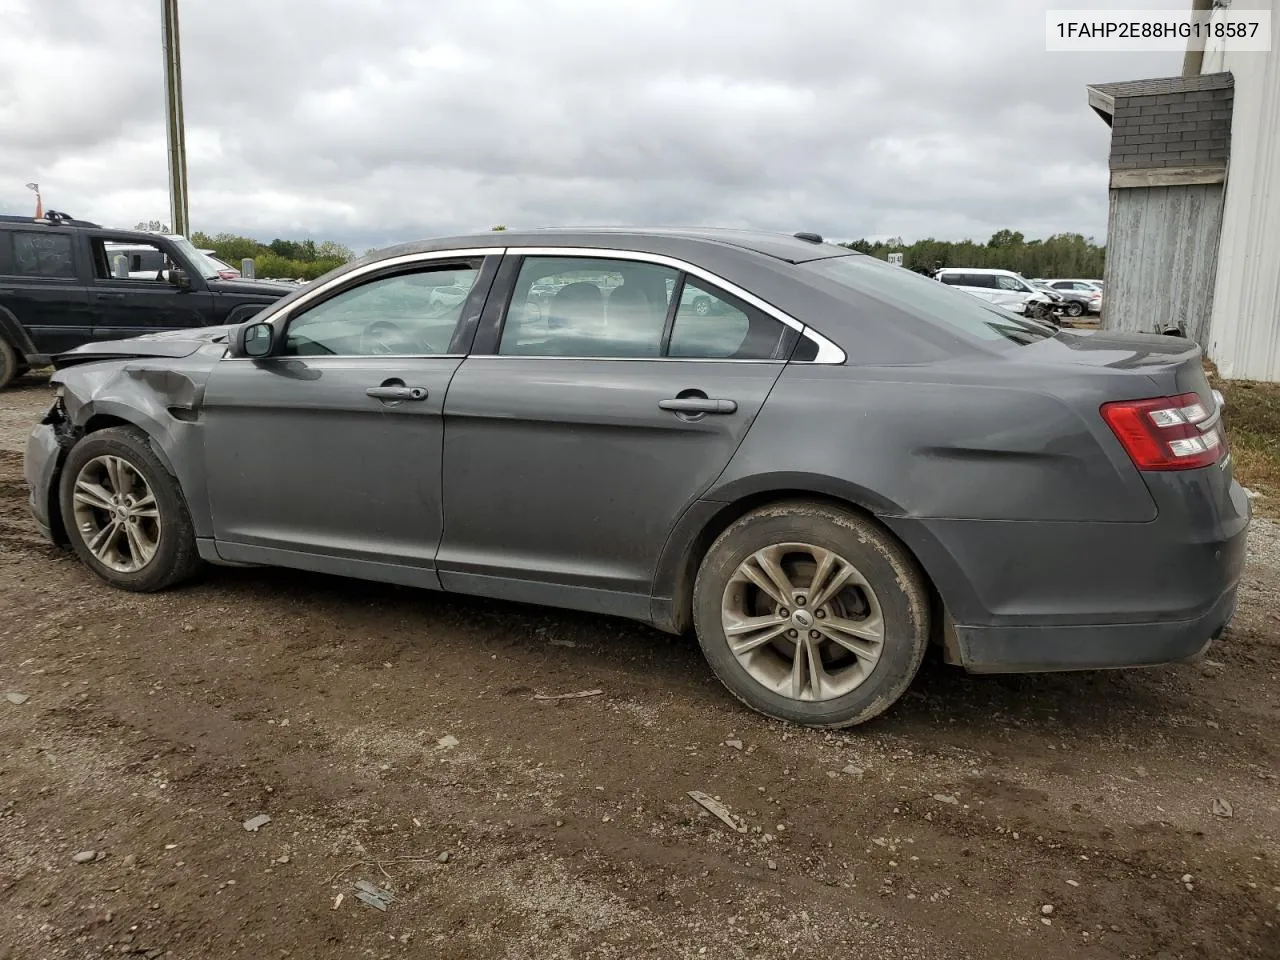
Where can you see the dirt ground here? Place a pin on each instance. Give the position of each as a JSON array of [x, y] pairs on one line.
[[1060, 816]]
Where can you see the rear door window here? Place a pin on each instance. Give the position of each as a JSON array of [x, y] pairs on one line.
[[40, 254], [712, 324], [588, 307]]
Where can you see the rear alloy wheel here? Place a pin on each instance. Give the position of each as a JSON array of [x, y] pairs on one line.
[[124, 514], [811, 614], [1075, 308]]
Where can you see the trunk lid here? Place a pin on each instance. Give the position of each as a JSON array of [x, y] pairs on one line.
[[1173, 365]]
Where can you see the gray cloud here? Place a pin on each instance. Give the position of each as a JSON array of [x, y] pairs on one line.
[[380, 120]]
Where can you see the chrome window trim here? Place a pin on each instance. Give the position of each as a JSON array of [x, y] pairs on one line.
[[538, 356], [312, 357], [828, 352]]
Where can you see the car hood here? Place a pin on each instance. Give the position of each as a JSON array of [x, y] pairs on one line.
[[172, 344], [252, 288]]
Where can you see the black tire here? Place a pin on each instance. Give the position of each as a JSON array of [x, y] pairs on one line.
[[10, 363], [1075, 308], [891, 572], [176, 558]]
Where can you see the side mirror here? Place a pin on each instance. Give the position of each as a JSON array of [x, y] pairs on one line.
[[178, 277], [255, 340]]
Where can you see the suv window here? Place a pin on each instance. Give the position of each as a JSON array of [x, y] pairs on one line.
[[713, 324], [984, 281], [39, 254], [128, 261], [406, 314], [587, 307], [1010, 283]]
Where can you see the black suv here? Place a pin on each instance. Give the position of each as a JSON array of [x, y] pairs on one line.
[[64, 282]]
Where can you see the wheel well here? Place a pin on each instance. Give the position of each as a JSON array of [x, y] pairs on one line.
[[682, 602], [101, 421]]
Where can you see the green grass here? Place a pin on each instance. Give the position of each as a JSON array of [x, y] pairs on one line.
[[1253, 428]]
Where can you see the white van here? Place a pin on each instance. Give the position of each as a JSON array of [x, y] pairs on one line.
[[1004, 288]]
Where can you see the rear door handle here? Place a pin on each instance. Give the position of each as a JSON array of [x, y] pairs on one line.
[[698, 405], [397, 393]]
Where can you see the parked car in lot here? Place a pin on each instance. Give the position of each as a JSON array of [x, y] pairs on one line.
[[1082, 286], [1075, 303], [225, 270], [1004, 288], [64, 282], [847, 462]]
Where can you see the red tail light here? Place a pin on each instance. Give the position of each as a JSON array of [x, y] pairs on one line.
[[1167, 433]]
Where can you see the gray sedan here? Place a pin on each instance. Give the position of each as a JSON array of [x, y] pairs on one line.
[[833, 465]]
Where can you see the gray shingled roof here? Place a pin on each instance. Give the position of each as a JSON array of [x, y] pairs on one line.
[[1164, 85]]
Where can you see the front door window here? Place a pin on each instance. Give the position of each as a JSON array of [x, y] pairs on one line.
[[406, 314]]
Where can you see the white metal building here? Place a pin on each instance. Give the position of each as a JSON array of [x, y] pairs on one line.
[[1193, 234], [1244, 331]]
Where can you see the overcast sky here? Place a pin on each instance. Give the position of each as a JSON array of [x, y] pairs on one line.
[[372, 121]]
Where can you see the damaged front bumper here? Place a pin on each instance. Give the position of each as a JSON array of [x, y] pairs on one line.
[[46, 447]]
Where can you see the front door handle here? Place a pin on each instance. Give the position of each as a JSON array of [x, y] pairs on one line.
[[397, 393], [697, 405]]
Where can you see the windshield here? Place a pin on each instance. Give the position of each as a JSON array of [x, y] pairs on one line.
[[205, 266], [931, 301]]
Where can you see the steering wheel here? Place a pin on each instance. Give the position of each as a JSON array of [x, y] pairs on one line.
[[381, 339]]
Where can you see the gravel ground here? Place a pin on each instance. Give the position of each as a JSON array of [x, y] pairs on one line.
[[1059, 816]]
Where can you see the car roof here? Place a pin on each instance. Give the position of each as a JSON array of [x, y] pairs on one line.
[[780, 246], [976, 270]]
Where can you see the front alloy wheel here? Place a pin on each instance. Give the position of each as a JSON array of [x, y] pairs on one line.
[[116, 514], [124, 512]]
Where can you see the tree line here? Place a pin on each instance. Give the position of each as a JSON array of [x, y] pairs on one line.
[[1061, 255], [279, 259]]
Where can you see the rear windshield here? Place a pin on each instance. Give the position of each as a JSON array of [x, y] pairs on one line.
[[931, 301]]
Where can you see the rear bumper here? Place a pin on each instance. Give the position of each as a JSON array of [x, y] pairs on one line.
[[1028, 596], [1092, 647]]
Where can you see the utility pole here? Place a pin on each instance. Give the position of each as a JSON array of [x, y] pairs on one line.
[[173, 113]]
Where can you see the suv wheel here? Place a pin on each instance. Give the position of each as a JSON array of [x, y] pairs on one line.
[[124, 513], [811, 614], [9, 363]]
